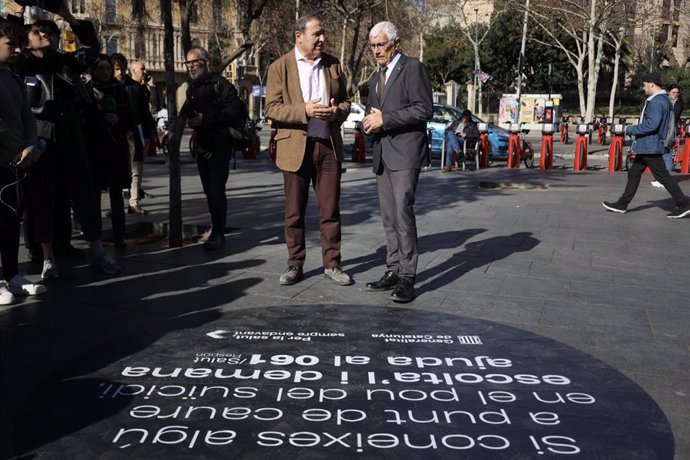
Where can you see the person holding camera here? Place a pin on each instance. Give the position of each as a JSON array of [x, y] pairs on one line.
[[18, 152], [58, 99]]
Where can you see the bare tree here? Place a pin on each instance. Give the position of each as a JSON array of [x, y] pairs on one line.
[[617, 38], [186, 10], [470, 26], [579, 28], [355, 19]]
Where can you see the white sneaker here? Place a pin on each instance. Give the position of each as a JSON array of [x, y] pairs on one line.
[[105, 264], [21, 286], [656, 183], [49, 269], [6, 297]]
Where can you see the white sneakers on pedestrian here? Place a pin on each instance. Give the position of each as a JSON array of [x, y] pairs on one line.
[[656, 183], [18, 285], [6, 297]]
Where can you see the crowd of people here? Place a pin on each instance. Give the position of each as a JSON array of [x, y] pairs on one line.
[[72, 125]]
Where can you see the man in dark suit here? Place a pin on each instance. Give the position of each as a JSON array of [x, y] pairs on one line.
[[400, 105], [307, 99]]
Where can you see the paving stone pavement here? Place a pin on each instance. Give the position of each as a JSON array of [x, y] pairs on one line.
[[549, 261]]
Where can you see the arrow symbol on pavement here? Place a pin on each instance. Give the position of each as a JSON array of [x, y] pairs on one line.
[[219, 334]]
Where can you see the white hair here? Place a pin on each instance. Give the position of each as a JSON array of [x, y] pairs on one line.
[[385, 27]]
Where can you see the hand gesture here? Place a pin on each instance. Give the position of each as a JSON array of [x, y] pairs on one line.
[[373, 122], [311, 107]]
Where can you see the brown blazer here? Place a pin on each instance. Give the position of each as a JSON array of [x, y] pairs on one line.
[[285, 106]]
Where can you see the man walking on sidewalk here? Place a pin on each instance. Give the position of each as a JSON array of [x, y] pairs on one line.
[[648, 148]]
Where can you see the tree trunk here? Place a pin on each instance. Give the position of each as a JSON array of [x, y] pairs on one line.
[[581, 85], [185, 16], [616, 65], [594, 78], [176, 126]]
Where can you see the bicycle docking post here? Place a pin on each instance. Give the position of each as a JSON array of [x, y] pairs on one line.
[[359, 148], [483, 147], [685, 164], [581, 147], [514, 147], [616, 148], [546, 160]]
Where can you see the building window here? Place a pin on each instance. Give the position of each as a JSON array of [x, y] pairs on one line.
[[217, 13], [78, 6], [110, 10], [194, 14], [111, 46]]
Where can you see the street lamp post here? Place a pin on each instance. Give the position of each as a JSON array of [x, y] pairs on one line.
[[521, 58], [476, 61]]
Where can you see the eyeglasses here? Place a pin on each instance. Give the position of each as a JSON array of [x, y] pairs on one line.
[[195, 62], [381, 45]]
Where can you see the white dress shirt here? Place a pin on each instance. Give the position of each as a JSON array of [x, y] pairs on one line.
[[313, 85]]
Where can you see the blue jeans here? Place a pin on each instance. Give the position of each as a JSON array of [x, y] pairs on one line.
[[454, 143]]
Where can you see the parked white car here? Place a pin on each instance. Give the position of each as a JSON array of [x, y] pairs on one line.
[[356, 115]]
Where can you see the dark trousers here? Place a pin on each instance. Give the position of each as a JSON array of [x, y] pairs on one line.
[[396, 200], [9, 225], [55, 180], [322, 169], [657, 166], [117, 212], [213, 172]]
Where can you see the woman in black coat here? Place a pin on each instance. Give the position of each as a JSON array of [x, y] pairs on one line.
[[109, 121]]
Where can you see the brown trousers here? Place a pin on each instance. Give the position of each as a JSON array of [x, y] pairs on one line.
[[321, 169]]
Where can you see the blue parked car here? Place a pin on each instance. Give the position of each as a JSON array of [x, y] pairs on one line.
[[445, 114]]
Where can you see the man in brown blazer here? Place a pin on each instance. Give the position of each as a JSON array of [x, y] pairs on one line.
[[306, 98]]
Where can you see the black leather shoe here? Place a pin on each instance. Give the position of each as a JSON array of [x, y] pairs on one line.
[[403, 292], [387, 282]]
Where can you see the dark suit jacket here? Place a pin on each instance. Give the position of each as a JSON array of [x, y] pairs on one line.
[[285, 105], [407, 106], [678, 109]]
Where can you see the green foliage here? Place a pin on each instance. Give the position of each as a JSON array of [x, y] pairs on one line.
[[447, 56], [501, 49]]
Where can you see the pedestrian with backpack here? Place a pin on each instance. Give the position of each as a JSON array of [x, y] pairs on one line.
[[212, 106], [649, 146]]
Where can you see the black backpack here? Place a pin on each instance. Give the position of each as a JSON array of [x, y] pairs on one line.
[[239, 130]]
